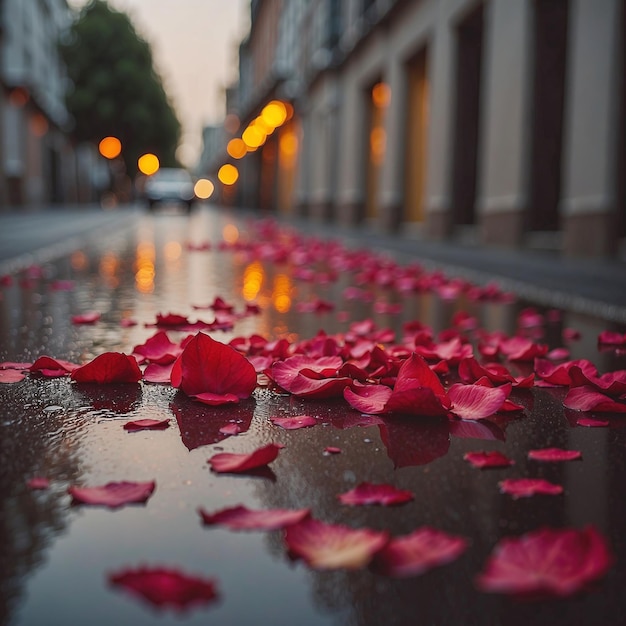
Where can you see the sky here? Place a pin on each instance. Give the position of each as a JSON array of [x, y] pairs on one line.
[[195, 50]]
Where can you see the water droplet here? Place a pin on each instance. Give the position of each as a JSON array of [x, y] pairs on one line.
[[53, 408]]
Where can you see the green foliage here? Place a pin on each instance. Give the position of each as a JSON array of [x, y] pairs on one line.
[[115, 89]]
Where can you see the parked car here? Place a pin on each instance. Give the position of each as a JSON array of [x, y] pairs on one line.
[[170, 184]]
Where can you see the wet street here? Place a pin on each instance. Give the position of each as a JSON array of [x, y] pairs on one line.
[[250, 283]]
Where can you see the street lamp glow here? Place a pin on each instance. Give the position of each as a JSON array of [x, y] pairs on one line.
[[148, 164], [110, 147], [236, 148], [228, 174], [204, 188]]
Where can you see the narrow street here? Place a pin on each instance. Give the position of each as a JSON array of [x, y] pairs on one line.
[[111, 281]]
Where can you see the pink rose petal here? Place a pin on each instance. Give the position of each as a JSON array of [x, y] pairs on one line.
[[526, 487], [230, 429], [147, 424], [557, 562], [165, 587], [554, 454], [155, 373], [38, 482], [332, 450], [586, 398], [591, 423], [368, 493], [475, 402], [488, 459], [242, 518], [114, 494], [329, 546], [11, 376], [293, 423], [230, 462], [419, 552]]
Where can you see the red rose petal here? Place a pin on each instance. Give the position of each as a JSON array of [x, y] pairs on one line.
[[419, 552], [165, 587], [526, 487], [293, 423], [207, 366], [242, 518], [11, 376], [156, 373], [549, 561], [38, 482], [147, 424], [488, 459], [114, 494], [230, 462], [110, 367], [216, 399], [329, 546], [592, 423], [90, 317], [332, 450], [371, 399], [49, 367], [554, 454], [230, 429], [368, 493], [475, 402], [586, 398], [159, 349]]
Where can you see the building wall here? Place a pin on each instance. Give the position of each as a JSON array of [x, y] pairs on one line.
[[502, 126]]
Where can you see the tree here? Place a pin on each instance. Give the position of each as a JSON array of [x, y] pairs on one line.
[[115, 89]]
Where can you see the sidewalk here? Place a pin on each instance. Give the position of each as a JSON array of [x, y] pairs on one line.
[[591, 286]]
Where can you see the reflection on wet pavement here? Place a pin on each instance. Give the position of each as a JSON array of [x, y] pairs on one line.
[[73, 434]]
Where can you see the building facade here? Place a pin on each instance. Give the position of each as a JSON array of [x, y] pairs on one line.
[[39, 165], [493, 121]]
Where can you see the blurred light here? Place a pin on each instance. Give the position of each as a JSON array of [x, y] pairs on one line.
[[228, 174], [288, 146], [262, 126], [378, 144], [18, 97], [203, 188], [79, 260], [274, 114], [289, 110], [110, 147], [172, 251], [381, 95], [144, 275], [281, 295], [39, 125], [253, 137], [231, 123], [148, 164], [253, 277], [236, 148], [109, 266], [230, 233]]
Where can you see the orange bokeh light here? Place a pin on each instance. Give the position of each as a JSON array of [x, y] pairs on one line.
[[253, 137], [228, 174], [236, 148], [148, 164], [381, 95], [110, 147]]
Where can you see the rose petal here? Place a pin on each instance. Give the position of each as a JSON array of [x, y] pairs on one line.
[[332, 450], [488, 459], [90, 317], [230, 462], [419, 552], [231, 429], [526, 487], [293, 423], [368, 493], [328, 546], [38, 482], [147, 424], [549, 561], [165, 587], [110, 367], [114, 494], [591, 423], [11, 376], [586, 398], [242, 518], [475, 402], [554, 454], [155, 373]]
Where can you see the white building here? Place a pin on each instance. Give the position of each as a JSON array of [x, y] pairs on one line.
[[37, 161]]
